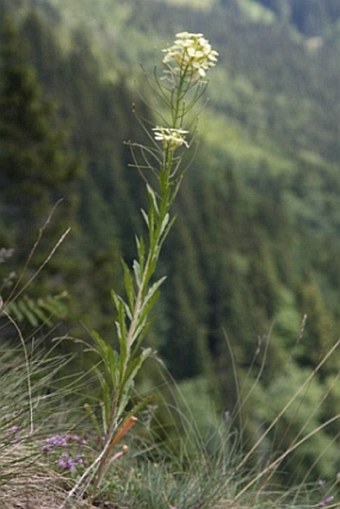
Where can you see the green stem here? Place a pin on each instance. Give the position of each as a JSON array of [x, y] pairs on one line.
[[156, 237], [153, 254], [179, 96]]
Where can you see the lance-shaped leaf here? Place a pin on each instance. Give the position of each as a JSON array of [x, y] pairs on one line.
[[140, 244], [151, 297], [109, 357], [106, 398], [152, 199], [137, 272], [129, 287], [164, 223], [129, 379]]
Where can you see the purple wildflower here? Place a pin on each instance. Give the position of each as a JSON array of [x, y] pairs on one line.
[[67, 463], [61, 441], [68, 442], [53, 441], [56, 441]]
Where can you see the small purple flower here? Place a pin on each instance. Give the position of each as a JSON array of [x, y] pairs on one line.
[[67, 443], [56, 441], [49, 444], [67, 463], [326, 501], [60, 441]]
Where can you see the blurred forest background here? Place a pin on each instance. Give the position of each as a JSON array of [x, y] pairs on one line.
[[253, 261]]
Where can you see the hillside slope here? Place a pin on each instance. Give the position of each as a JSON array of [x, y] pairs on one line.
[[273, 98], [256, 243]]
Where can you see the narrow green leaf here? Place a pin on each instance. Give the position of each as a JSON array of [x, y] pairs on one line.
[[151, 224], [142, 322], [137, 272], [89, 411], [128, 382], [141, 251], [121, 329], [28, 313], [140, 338], [152, 290], [146, 217], [106, 397], [152, 198], [164, 223], [128, 284]]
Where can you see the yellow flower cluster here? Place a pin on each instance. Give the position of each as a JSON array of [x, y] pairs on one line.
[[192, 54], [170, 137]]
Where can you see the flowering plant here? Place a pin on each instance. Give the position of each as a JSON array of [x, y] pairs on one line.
[[177, 90], [67, 450], [171, 137], [191, 55]]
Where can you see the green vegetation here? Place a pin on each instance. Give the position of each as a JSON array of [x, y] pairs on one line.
[[248, 319]]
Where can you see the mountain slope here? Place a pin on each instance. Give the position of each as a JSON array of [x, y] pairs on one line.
[[257, 208]]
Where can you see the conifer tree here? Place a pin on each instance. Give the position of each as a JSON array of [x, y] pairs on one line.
[[36, 168]]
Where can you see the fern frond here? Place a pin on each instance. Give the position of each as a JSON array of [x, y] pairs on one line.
[[39, 311]]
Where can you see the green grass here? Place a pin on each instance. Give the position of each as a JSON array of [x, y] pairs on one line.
[[189, 469]]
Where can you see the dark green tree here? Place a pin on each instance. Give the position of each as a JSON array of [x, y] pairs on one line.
[[320, 330], [37, 170]]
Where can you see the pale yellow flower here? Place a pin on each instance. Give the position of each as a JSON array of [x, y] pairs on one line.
[[170, 137], [192, 54]]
